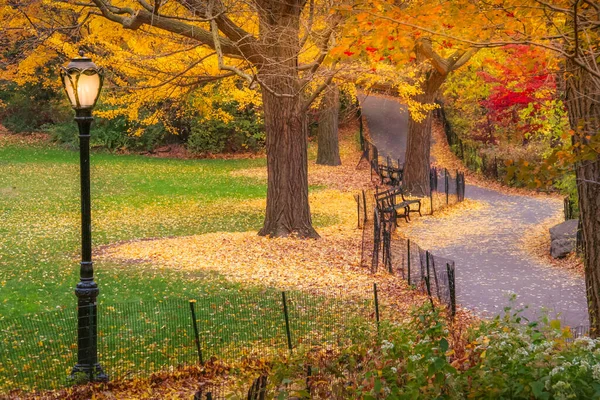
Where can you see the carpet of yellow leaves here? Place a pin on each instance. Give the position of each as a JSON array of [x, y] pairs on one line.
[[447, 221], [329, 266]]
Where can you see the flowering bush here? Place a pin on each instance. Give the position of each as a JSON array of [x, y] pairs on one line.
[[425, 359]]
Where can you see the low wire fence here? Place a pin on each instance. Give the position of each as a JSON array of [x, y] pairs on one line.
[[138, 339]]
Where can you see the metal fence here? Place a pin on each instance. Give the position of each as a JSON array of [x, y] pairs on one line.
[[138, 339], [382, 250], [446, 188]]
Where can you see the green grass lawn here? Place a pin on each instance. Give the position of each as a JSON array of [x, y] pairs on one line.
[[145, 321], [132, 197]]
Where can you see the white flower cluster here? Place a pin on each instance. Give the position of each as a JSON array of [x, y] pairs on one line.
[[596, 372], [386, 345], [415, 357], [589, 343]]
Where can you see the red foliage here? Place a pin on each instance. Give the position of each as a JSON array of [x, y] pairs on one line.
[[517, 82]]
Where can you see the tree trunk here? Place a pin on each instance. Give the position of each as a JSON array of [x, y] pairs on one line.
[[328, 152], [583, 106], [418, 144], [416, 165], [286, 123]]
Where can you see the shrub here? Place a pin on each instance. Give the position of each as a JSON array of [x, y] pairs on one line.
[[508, 357], [110, 134], [244, 132], [29, 107]]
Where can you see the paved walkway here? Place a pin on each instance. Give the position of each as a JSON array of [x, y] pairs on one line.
[[490, 264]]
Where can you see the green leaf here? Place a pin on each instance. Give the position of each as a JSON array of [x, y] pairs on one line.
[[444, 345], [538, 390]]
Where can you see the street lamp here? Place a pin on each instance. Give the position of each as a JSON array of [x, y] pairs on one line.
[[82, 81]]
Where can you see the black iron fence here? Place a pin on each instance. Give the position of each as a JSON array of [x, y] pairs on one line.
[[382, 250], [138, 339], [446, 188]]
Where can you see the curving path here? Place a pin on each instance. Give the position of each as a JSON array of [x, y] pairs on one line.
[[485, 243]]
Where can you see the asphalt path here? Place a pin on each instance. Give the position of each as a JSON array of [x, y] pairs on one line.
[[491, 264]]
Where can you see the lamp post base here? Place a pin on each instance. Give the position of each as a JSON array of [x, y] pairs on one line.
[[87, 373]]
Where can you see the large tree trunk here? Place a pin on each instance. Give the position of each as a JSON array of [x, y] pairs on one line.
[[416, 165], [286, 122], [418, 144], [583, 105], [328, 152]]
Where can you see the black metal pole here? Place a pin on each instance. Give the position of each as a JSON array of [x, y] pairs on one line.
[[376, 304], [408, 259], [196, 334], [452, 287], [287, 321], [446, 183], [87, 289]]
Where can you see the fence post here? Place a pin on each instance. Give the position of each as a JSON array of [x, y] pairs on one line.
[[457, 186], [357, 198], [452, 287], [435, 278], [196, 335], [496, 167], [376, 305], [364, 207], [287, 321], [432, 187], [408, 258], [446, 183], [360, 124], [427, 281]]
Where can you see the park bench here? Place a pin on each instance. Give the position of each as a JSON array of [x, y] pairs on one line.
[[390, 173], [394, 199], [387, 203]]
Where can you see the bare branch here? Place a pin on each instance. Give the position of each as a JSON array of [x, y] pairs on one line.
[[131, 19]]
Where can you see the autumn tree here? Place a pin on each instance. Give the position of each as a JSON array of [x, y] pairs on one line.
[[277, 47], [434, 71], [571, 29], [393, 35]]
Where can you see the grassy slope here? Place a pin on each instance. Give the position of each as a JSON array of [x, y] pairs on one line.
[[133, 197]]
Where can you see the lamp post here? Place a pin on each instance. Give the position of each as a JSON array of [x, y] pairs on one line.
[[82, 81]]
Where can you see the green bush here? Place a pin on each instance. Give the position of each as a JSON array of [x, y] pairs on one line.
[[244, 132], [109, 134], [29, 107], [507, 358], [208, 137]]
